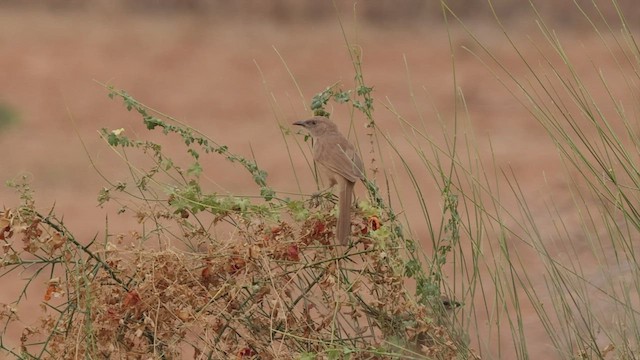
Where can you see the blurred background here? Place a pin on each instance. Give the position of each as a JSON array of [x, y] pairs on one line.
[[238, 70], [381, 11]]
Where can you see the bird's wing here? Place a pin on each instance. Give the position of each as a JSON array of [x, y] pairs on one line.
[[339, 156]]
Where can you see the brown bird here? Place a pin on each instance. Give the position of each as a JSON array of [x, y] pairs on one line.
[[339, 162]]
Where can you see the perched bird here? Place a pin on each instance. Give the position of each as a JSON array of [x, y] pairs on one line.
[[339, 162]]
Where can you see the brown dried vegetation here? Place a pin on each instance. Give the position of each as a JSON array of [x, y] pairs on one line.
[[274, 291], [274, 286]]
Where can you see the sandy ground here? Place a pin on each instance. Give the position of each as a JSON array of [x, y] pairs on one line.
[[231, 80]]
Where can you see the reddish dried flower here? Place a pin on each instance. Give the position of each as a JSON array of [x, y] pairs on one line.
[[6, 233], [374, 223], [207, 275], [246, 353], [206, 272], [319, 227], [235, 264], [53, 290], [30, 233], [131, 299], [113, 315], [56, 241], [293, 253], [290, 252], [5, 227]]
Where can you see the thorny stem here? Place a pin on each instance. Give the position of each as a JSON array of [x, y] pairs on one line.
[[63, 230]]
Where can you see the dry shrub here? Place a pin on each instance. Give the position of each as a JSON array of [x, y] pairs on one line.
[[273, 287], [276, 290]]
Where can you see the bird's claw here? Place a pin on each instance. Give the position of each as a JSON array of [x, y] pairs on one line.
[[318, 197], [314, 201]]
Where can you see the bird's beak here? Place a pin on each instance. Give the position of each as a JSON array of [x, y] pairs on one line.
[[299, 123]]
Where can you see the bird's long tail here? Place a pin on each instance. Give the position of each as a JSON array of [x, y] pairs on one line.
[[344, 212]]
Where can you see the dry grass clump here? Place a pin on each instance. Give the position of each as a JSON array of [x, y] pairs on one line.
[[273, 290]]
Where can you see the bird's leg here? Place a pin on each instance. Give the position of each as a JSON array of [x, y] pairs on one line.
[[326, 193]]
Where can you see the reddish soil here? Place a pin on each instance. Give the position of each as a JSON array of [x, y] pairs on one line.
[[231, 80]]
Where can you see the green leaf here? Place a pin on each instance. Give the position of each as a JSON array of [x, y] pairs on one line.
[[333, 354], [103, 196], [195, 169], [364, 90], [321, 112], [412, 267], [166, 164], [342, 97], [308, 356], [194, 154], [267, 193], [298, 210]]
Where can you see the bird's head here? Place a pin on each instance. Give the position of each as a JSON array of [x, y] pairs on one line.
[[318, 125]]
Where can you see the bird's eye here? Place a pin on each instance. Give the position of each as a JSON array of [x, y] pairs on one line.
[[313, 122]]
